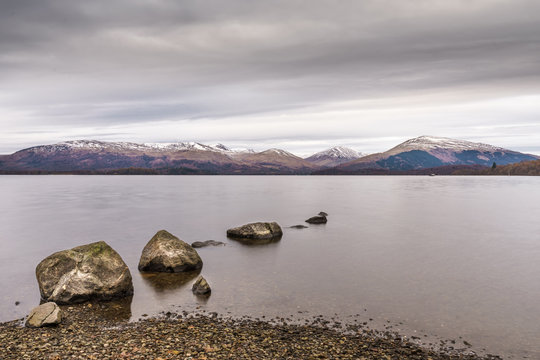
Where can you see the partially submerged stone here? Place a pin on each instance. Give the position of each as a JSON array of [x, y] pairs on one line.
[[298, 227], [47, 314], [200, 244], [317, 219], [167, 253], [322, 213], [201, 287], [256, 231], [88, 272]]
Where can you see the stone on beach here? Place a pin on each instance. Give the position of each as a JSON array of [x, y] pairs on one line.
[[167, 253], [44, 315], [201, 287], [88, 272], [255, 231]]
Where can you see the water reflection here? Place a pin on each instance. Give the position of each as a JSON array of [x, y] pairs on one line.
[[165, 282], [255, 242], [117, 309]]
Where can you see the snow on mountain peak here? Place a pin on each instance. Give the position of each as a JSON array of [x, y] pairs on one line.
[[279, 152], [338, 152], [428, 143]]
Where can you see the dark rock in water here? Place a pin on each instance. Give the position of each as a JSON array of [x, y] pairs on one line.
[[200, 244], [44, 315], [89, 272], [318, 219], [167, 253], [17, 303], [298, 227], [322, 213], [201, 287], [256, 231]]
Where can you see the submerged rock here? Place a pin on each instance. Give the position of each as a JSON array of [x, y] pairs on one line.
[[44, 315], [256, 231], [318, 219], [88, 272], [298, 227], [200, 244], [201, 287], [167, 253]]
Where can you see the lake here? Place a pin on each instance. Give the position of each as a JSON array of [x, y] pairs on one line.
[[446, 257]]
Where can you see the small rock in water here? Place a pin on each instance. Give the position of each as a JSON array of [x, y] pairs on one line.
[[44, 315], [201, 287], [322, 213], [17, 303], [318, 219], [298, 227], [200, 244], [256, 231]]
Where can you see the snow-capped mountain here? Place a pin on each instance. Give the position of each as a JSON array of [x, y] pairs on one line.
[[182, 157], [95, 145], [197, 158], [430, 151], [430, 143], [334, 156]]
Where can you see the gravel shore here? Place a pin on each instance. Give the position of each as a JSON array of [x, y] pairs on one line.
[[82, 335]]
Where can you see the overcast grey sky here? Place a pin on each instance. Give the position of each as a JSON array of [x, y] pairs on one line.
[[299, 75]]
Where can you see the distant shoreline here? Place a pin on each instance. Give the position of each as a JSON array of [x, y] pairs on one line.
[[530, 168]]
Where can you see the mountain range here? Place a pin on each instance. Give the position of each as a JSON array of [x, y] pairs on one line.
[[420, 153]]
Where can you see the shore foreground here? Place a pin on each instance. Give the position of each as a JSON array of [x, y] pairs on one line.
[[84, 336]]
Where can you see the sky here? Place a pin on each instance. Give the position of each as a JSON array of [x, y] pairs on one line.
[[298, 75]]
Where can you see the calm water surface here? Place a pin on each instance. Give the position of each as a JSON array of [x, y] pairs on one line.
[[444, 256]]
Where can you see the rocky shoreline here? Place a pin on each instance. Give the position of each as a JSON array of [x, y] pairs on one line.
[[86, 334]]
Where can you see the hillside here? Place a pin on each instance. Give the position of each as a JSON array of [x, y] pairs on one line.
[[429, 152]]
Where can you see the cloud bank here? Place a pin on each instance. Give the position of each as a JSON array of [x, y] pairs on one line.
[[302, 75]]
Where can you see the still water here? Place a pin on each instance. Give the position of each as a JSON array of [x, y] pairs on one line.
[[443, 256]]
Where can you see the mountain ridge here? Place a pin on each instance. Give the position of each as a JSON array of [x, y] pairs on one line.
[[334, 156], [193, 157], [430, 151]]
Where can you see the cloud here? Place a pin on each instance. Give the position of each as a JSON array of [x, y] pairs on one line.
[[124, 65]]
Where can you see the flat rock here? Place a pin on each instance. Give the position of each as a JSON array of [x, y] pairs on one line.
[[88, 272], [201, 287], [298, 227], [318, 219], [256, 231], [47, 314], [200, 244], [167, 253]]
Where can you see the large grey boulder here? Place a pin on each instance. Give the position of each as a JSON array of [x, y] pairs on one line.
[[44, 315], [167, 253], [256, 231], [89, 272]]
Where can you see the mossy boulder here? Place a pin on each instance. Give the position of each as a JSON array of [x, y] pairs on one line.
[[167, 253], [88, 272]]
